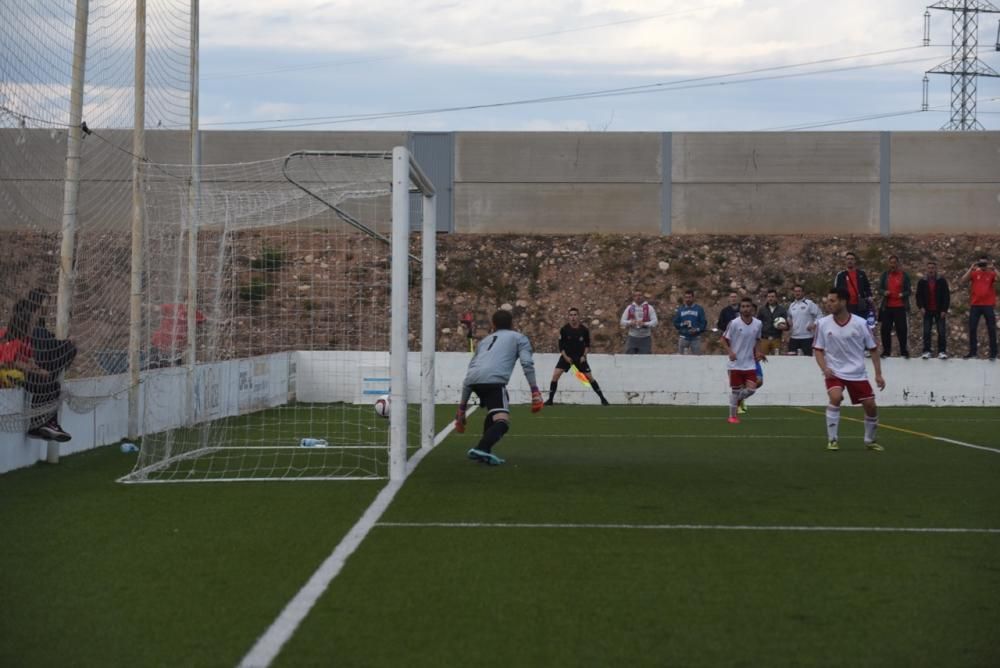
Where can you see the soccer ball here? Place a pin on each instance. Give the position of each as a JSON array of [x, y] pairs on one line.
[[780, 323], [382, 406]]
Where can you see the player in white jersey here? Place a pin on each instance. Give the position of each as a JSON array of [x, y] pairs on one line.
[[488, 375], [842, 339], [742, 342]]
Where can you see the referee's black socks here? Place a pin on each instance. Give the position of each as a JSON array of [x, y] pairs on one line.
[[597, 388], [552, 390], [492, 434]]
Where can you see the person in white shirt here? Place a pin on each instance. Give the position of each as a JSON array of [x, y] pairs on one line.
[[804, 313], [742, 342], [639, 318], [841, 341]]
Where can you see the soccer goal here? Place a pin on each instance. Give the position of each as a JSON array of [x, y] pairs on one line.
[[280, 302]]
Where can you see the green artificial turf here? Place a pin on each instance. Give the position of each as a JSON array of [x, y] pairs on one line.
[[98, 573]]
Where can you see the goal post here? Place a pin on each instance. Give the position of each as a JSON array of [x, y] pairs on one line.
[[298, 278]]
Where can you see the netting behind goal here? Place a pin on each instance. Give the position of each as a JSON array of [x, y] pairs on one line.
[[267, 320]]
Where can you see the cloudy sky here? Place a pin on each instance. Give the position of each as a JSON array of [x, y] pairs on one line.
[[653, 65]]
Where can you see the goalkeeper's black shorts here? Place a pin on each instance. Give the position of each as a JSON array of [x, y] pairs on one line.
[[492, 396], [581, 365]]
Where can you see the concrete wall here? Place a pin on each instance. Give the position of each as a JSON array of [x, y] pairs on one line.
[[585, 182], [244, 386]]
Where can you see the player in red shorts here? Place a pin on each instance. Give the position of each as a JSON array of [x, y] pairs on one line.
[[742, 343], [841, 341]]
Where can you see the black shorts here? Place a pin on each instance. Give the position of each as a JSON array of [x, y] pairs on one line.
[[805, 345], [564, 365], [492, 396]]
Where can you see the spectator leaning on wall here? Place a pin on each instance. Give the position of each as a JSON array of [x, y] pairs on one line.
[[934, 300], [855, 281], [775, 319], [639, 319], [804, 313], [690, 321]]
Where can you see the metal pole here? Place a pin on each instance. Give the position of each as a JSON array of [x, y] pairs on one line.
[[193, 219], [71, 189], [400, 311], [428, 334], [138, 150]]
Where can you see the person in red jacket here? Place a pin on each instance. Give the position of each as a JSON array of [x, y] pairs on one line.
[[894, 285], [982, 278], [934, 300]]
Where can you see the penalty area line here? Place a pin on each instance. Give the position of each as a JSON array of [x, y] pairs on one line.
[[268, 645], [678, 527], [911, 432]]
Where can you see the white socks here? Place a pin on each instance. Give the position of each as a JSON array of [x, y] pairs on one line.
[[736, 397], [833, 422], [871, 425]]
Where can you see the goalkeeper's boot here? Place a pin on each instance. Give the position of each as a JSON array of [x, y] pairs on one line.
[[874, 447], [489, 458], [832, 445], [741, 409]]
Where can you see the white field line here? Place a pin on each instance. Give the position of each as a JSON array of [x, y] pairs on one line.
[[932, 437], [965, 445], [664, 437], [267, 647], [679, 527], [644, 418]]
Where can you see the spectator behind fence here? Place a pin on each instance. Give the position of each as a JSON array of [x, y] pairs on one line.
[[728, 313], [169, 341], [934, 300], [690, 321], [894, 287], [858, 287], [19, 367], [774, 318], [804, 313], [982, 278], [639, 319]]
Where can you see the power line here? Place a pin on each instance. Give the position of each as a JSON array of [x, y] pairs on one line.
[[660, 88], [666, 86]]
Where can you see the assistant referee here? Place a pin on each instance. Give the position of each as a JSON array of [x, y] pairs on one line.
[[574, 344]]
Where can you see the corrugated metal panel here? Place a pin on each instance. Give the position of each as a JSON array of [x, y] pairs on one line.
[[435, 152]]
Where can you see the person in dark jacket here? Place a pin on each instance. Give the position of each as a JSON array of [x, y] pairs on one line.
[[894, 287], [858, 287], [775, 322], [933, 300]]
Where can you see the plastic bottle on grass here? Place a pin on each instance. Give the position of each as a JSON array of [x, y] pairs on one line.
[[313, 443]]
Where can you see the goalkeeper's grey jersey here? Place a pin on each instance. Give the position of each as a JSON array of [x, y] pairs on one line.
[[495, 358]]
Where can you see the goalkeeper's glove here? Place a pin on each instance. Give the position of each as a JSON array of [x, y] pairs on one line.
[[536, 400], [460, 420]]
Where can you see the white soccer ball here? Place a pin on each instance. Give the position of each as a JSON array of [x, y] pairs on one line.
[[382, 406], [780, 323]]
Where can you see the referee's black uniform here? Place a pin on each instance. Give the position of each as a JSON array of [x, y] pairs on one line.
[[574, 343]]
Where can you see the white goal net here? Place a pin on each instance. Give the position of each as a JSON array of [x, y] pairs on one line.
[[280, 300]]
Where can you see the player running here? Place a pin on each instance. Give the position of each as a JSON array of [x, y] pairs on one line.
[[488, 375], [574, 344], [842, 339], [742, 342]]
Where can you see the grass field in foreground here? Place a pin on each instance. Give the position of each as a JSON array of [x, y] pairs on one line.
[[97, 573]]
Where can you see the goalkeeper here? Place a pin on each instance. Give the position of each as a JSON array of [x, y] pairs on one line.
[[488, 375]]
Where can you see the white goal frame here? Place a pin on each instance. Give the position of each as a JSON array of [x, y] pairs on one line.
[[407, 178]]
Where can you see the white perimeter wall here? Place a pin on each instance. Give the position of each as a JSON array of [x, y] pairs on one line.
[[244, 386]]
